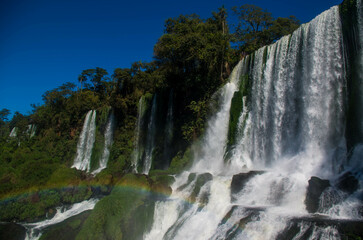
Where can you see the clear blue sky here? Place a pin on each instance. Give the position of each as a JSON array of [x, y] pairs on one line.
[[45, 43]]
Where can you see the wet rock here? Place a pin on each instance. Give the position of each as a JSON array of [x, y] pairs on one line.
[[347, 183], [202, 179], [314, 191], [191, 178], [304, 227], [240, 180], [251, 215]]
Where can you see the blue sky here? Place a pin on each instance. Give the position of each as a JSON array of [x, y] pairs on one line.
[[45, 43]]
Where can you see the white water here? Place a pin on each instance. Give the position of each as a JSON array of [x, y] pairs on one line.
[[34, 229], [137, 145], [150, 139], [108, 143], [293, 129], [85, 142], [13, 132], [169, 127], [210, 158], [31, 130]]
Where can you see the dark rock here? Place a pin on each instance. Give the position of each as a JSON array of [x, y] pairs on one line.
[[240, 180], [348, 229], [12, 231], [289, 232], [202, 179], [314, 191], [347, 183], [251, 214], [191, 178]]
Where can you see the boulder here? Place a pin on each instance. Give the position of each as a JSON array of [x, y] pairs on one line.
[[240, 180], [314, 191], [202, 179], [347, 228]]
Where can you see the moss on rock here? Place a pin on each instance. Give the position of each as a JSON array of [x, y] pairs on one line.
[[114, 216]]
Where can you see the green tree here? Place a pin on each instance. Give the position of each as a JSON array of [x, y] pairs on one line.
[[81, 79], [282, 26], [257, 27], [96, 76], [4, 113], [192, 52]]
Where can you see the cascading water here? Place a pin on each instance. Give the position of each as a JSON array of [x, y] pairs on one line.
[[292, 127], [31, 130], [85, 143], [213, 148], [137, 144], [169, 127], [34, 230], [150, 139], [108, 143], [13, 132]]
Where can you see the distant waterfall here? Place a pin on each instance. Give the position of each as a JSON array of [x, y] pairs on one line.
[[291, 127], [31, 130], [137, 144], [85, 142], [13, 132], [108, 143], [150, 139], [169, 127]]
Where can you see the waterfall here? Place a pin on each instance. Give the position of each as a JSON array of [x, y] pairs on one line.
[[85, 142], [31, 130], [13, 132], [297, 103], [211, 155], [150, 139], [137, 144], [169, 127], [107, 145], [291, 127]]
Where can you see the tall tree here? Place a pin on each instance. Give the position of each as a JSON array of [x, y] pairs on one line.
[[192, 52], [96, 76], [4, 113], [257, 27], [81, 79]]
